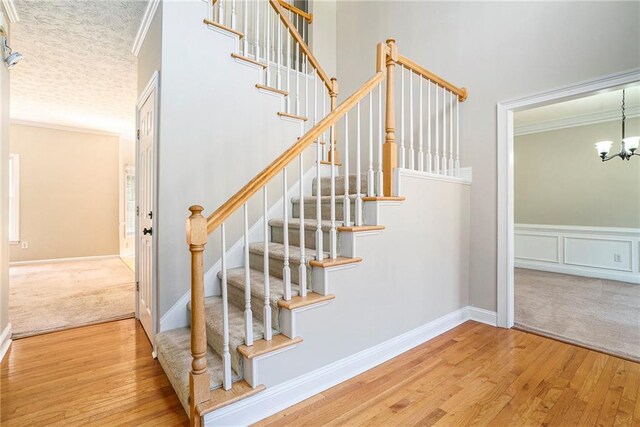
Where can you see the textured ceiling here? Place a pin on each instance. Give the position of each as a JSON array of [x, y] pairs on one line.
[[78, 69]]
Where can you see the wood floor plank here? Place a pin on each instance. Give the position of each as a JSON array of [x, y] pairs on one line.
[[506, 377], [96, 375]]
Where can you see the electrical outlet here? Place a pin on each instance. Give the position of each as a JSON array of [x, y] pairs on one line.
[[24, 245], [617, 258]]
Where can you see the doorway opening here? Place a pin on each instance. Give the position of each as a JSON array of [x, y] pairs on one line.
[[72, 147], [568, 231]]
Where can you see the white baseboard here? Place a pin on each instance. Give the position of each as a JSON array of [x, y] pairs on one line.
[[483, 316], [5, 341], [284, 395], [57, 260]]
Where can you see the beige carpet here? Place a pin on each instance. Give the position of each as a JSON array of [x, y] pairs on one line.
[[599, 314], [53, 296]]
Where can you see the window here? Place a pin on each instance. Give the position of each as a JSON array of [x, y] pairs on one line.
[[14, 197], [130, 200]]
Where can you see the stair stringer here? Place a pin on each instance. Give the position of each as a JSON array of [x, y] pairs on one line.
[[414, 275]]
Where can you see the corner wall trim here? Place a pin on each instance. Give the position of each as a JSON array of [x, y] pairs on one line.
[[284, 395], [5, 341], [10, 7], [58, 260], [152, 6]]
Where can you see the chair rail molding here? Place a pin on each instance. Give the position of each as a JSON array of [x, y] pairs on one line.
[[505, 204], [149, 13]]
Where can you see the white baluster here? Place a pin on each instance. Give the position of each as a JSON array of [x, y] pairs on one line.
[[257, 30], [457, 165], [267, 70], [306, 86], [245, 48], [421, 129], [402, 117], [444, 131], [221, 13], [429, 156], [324, 114], [436, 161], [333, 236], [302, 270], [233, 14], [451, 171], [411, 128], [279, 54], [346, 204], [370, 176], [380, 142], [315, 98], [319, 236], [248, 316], [265, 267], [358, 184], [298, 70], [286, 270], [226, 355], [289, 43]]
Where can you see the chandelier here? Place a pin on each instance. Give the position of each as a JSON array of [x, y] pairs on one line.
[[629, 144]]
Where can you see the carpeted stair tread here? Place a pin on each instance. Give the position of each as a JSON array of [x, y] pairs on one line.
[[294, 223], [340, 181], [235, 278], [174, 354], [276, 251], [213, 321]]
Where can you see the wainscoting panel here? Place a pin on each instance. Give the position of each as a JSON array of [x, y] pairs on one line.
[[601, 252], [598, 252], [537, 247]]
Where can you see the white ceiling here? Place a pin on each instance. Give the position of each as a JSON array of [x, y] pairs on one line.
[[78, 69], [593, 108]]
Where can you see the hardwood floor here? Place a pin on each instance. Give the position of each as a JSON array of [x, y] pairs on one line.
[[472, 375], [479, 375], [95, 375]]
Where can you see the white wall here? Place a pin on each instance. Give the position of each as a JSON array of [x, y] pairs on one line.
[[499, 51]]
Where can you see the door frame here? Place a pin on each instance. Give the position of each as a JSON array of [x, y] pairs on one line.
[[152, 87], [505, 111]]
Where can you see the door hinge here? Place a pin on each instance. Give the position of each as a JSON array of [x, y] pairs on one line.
[[138, 135], [137, 286], [137, 210]]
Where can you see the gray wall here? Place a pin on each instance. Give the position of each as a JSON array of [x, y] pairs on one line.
[[560, 180], [4, 195], [499, 51]]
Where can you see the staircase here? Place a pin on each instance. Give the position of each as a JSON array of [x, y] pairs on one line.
[[255, 314]]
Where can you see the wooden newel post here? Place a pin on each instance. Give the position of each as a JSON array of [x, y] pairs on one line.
[[333, 150], [199, 376], [390, 148]]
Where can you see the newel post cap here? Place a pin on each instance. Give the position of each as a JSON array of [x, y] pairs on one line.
[[196, 226]]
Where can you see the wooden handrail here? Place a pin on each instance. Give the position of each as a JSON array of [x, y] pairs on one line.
[[331, 87], [241, 197], [409, 63], [307, 16]]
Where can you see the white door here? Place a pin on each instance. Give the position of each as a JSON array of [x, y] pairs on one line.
[[144, 261]]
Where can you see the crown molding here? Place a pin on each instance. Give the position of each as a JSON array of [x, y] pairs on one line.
[[55, 126], [10, 8], [152, 6], [577, 120]]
